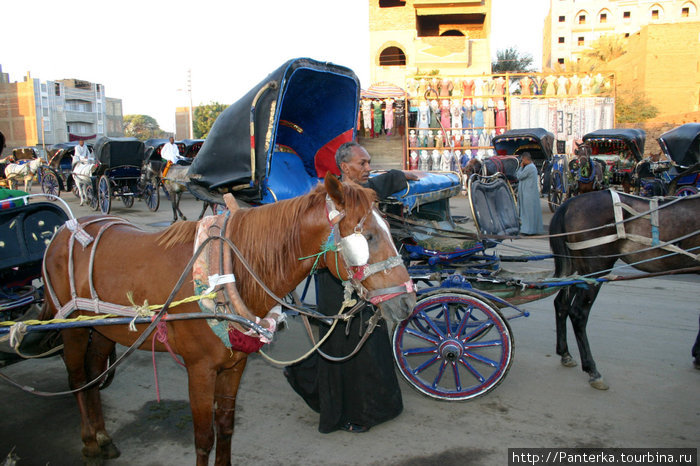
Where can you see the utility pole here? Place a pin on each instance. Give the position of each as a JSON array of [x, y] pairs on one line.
[[189, 94]]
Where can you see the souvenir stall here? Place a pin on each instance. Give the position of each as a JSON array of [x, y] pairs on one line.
[[382, 111], [451, 120]]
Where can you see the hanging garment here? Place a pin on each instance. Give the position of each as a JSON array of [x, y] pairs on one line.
[[562, 86], [424, 163], [586, 85], [367, 114], [475, 143], [423, 115], [525, 84], [377, 116], [434, 114], [413, 160], [479, 116], [467, 114], [445, 88], [399, 113], [478, 87], [550, 89], [435, 160], [445, 119], [446, 161], [468, 87], [456, 112], [499, 86], [573, 85], [412, 138], [501, 114], [489, 116], [438, 140], [388, 115]]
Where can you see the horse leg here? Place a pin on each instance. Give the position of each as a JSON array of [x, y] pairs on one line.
[[75, 348], [174, 202], [201, 381], [98, 353], [205, 205], [179, 197], [224, 414], [562, 307], [580, 310]]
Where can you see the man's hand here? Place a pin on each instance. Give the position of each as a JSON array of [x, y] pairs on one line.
[[410, 176]]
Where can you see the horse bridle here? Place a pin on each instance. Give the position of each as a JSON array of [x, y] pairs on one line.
[[355, 262]]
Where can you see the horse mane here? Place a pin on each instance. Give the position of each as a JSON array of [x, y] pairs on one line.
[[177, 233], [270, 237]]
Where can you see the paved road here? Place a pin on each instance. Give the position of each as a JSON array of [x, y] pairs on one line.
[[641, 333]]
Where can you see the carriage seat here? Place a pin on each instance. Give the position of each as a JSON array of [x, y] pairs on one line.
[[288, 178], [494, 207]]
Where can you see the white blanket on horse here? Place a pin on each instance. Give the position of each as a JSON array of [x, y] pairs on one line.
[[21, 170]]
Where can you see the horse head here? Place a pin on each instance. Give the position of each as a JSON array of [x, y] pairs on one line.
[[472, 167], [365, 253]]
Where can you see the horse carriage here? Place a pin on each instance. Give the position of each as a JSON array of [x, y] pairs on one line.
[[679, 173], [22, 166], [620, 150], [269, 150], [119, 173], [56, 175]]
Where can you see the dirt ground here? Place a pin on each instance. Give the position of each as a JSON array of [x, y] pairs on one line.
[[641, 333]]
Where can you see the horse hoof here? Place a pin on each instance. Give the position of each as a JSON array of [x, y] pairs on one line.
[[598, 383], [109, 451], [184, 219], [568, 361], [92, 456]]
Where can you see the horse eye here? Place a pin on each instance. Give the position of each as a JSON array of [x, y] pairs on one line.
[[370, 237]]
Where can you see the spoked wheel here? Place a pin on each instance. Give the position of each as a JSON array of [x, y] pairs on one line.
[[104, 194], [50, 184], [455, 346], [128, 200], [93, 201], [555, 195], [152, 196], [684, 191]]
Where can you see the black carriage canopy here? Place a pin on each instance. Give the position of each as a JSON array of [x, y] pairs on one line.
[[67, 150], [151, 146], [191, 147], [297, 117], [632, 138], [538, 141], [682, 144], [115, 152]]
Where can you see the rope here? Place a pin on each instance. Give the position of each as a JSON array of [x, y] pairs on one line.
[[305, 355]]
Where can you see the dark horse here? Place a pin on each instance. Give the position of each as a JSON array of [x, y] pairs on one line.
[[506, 164], [281, 242], [588, 173], [678, 223]]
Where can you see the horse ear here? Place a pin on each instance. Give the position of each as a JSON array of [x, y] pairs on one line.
[[334, 188]]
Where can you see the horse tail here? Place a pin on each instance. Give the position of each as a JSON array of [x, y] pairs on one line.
[[557, 242]]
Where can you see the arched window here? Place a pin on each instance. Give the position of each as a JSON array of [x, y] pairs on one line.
[[604, 16], [452, 33], [392, 56], [656, 12], [581, 17], [688, 9]]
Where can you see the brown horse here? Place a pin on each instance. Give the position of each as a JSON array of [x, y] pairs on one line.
[[272, 238], [506, 164]]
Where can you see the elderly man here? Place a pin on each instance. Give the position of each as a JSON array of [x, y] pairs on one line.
[[363, 391], [529, 197]]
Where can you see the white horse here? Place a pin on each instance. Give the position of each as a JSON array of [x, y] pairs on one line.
[[26, 171], [176, 183], [82, 176]]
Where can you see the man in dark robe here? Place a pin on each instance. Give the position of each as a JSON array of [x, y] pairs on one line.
[[362, 391]]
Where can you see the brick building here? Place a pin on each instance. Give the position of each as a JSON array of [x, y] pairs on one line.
[[413, 36], [36, 113], [663, 61]]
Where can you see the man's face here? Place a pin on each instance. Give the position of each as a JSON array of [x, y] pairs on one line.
[[358, 167], [171, 140], [81, 143]]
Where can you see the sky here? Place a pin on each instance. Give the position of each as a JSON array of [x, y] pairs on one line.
[[141, 51]]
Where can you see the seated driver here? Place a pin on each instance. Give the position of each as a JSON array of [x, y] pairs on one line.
[[171, 154]]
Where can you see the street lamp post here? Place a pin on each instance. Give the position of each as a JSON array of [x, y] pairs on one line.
[[189, 94]]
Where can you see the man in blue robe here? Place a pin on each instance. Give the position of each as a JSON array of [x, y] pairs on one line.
[[529, 197]]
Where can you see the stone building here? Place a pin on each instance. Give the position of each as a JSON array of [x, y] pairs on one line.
[[663, 62], [36, 113], [571, 26], [408, 37]]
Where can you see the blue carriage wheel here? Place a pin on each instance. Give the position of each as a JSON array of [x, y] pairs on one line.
[[104, 194], [50, 184], [686, 191], [454, 347], [152, 196]]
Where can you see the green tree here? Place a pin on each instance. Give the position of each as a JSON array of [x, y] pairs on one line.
[[632, 106], [142, 127], [605, 49], [511, 60], [204, 117]]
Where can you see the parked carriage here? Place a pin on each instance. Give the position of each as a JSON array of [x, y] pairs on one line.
[[191, 147], [620, 149], [537, 141], [119, 174], [55, 176], [681, 174]]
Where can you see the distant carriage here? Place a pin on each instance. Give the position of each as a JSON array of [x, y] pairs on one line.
[[56, 175], [119, 174], [620, 149], [681, 146], [537, 141]]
